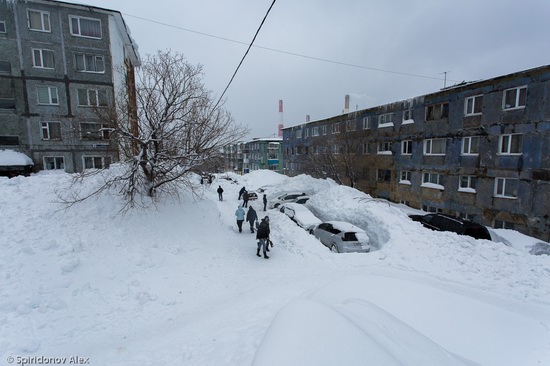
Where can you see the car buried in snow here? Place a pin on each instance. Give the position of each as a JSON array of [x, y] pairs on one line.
[[287, 197], [300, 214], [342, 237]]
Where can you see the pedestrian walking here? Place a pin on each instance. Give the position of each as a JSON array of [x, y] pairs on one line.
[[245, 198], [241, 193], [240, 217], [265, 202], [220, 193], [251, 217], [263, 237]]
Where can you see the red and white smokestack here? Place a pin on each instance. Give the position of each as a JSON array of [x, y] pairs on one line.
[[281, 123], [346, 104]]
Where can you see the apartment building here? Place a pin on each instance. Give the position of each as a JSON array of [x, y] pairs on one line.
[[478, 150], [259, 153], [59, 63]]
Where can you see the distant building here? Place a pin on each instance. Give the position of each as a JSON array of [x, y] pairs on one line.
[[58, 63], [260, 153], [477, 150]]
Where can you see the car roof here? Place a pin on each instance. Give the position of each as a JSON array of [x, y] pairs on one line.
[[345, 226]]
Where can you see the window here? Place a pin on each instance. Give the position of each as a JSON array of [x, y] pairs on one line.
[[467, 183], [39, 20], [5, 67], [437, 111], [384, 148], [514, 98], [315, 131], [85, 27], [470, 145], [335, 128], [501, 224], [7, 103], [473, 105], [365, 148], [383, 175], [506, 187], [324, 129], [350, 126], [2, 27], [466, 216], [51, 130], [47, 95], [366, 123], [408, 116], [405, 177], [406, 147], [89, 63], [430, 179], [298, 134], [9, 140], [385, 120], [92, 97], [54, 162], [433, 209], [93, 131], [43, 58], [510, 144], [435, 146], [337, 149], [96, 162]]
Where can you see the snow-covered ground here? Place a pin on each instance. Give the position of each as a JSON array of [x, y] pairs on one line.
[[180, 285]]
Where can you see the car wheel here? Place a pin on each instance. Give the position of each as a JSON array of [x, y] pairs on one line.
[[334, 248]]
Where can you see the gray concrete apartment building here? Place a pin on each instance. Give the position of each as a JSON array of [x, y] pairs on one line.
[[478, 150], [59, 62]]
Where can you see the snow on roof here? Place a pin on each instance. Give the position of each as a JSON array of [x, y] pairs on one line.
[[14, 158]]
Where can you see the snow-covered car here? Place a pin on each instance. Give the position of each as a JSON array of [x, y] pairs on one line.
[[252, 196], [342, 237], [300, 214], [287, 197]]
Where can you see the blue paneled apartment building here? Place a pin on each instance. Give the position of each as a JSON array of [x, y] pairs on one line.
[[479, 150]]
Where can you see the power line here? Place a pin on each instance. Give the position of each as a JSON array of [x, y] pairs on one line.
[[287, 52], [246, 53]]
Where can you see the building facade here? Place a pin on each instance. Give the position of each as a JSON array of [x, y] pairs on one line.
[[260, 153], [59, 64], [477, 150]]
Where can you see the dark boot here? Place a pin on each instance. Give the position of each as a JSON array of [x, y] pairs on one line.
[[265, 256], [258, 253], [267, 249]]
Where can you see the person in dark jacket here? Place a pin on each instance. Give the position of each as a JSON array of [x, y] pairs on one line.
[[245, 199], [220, 193], [241, 192], [263, 237], [251, 217], [265, 202]]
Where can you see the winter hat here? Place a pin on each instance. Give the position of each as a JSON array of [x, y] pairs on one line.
[[266, 218]]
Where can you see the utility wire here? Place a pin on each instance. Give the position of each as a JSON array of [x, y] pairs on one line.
[[287, 52], [246, 53]]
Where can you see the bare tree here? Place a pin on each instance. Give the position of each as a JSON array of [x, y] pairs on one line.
[[336, 156], [176, 129]]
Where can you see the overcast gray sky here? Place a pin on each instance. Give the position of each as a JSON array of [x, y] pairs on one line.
[[402, 46]]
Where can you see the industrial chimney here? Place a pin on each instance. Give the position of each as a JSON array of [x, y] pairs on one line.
[[307, 118], [281, 124], [346, 104]]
